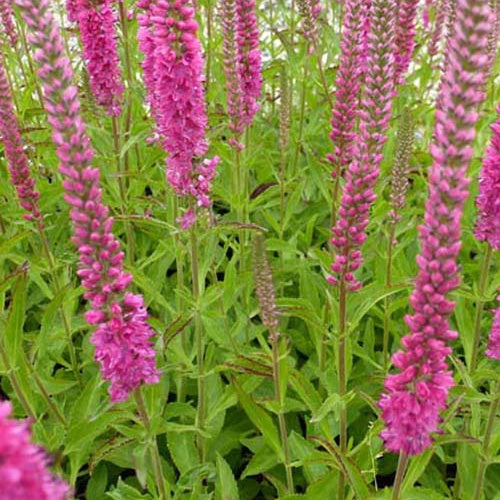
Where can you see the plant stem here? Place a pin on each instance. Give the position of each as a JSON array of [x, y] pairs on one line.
[[208, 71], [322, 77], [342, 379], [200, 347], [274, 337], [23, 400], [122, 190], [483, 461], [302, 111], [388, 284], [480, 307], [400, 473], [163, 492], [130, 79]]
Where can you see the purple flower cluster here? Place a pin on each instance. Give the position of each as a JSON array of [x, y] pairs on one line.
[[173, 74], [443, 10], [235, 99], [488, 201], [362, 173], [493, 350], [249, 58], [122, 338], [7, 21], [18, 162], [23, 465], [414, 398], [96, 22], [310, 11], [405, 36], [348, 83]]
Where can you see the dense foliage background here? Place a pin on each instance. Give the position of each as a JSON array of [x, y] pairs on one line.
[[102, 449]]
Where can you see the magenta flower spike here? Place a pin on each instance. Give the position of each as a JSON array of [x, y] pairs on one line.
[[7, 21], [358, 193], [405, 36], [173, 67], [414, 397], [20, 175], [493, 350], [488, 201], [249, 58], [234, 90], [310, 11], [352, 66], [23, 465], [442, 11], [122, 337], [96, 22]]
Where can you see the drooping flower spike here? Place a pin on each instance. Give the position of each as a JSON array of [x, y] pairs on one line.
[[122, 336], [414, 397], [96, 23], [23, 465], [10, 135], [358, 193]]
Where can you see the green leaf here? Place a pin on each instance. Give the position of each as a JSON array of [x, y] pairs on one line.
[[225, 487], [260, 419]]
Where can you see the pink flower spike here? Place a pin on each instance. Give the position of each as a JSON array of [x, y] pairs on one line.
[[24, 465], [362, 173], [7, 22], [122, 339], [96, 21], [488, 201], [493, 350], [10, 135], [414, 397], [405, 36], [348, 83], [249, 58], [173, 67]]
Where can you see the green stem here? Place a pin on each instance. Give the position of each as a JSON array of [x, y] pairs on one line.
[[123, 191], [483, 279], [200, 347], [208, 71], [400, 473], [274, 336], [322, 77], [388, 284], [23, 400], [301, 115], [342, 380], [485, 450], [30, 63], [130, 79], [163, 490]]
